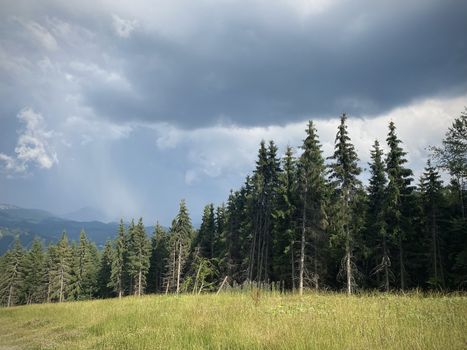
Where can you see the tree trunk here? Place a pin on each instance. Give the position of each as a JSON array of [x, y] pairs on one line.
[[167, 287], [174, 265], [222, 284], [251, 262], [179, 266], [293, 265], [460, 181], [348, 263], [302, 246], [260, 257], [195, 285], [385, 262], [10, 294], [61, 285], [49, 291], [315, 262], [140, 282], [441, 272], [435, 249], [401, 263]]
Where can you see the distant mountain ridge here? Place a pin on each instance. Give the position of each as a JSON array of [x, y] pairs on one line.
[[8, 206], [86, 214], [26, 224]]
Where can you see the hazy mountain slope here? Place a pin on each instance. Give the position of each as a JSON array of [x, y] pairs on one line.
[[85, 214], [29, 223]]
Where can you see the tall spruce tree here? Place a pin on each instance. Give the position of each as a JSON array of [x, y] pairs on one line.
[[104, 285], [237, 235], [284, 214], [128, 282], [431, 189], [117, 278], [34, 274], [13, 275], [376, 217], [265, 183], [344, 172], [205, 238], [138, 257], [83, 270], [452, 157], [159, 256], [398, 196], [180, 241], [60, 261], [220, 222], [313, 202]]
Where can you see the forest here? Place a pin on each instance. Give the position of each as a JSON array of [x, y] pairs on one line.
[[300, 221]]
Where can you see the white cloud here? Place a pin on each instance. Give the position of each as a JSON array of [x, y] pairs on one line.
[[59, 27], [89, 129], [32, 146], [311, 7], [90, 73], [14, 65], [123, 27], [12, 165], [223, 150], [40, 34]]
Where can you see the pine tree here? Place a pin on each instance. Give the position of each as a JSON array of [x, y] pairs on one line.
[[237, 235], [83, 270], [202, 253], [452, 156], [344, 172], [117, 278], [181, 235], [313, 202], [377, 234], [13, 275], [284, 214], [35, 274], [431, 190], [128, 281], [138, 257], [91, 271], [104, 283], [265, 184], [398, 196], [60, 261], [220, 221], [205, 238], [159, 255]]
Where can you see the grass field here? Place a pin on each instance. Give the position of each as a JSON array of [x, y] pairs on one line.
[[241, 321]]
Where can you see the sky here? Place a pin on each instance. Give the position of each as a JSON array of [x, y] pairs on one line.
[[130, 106]]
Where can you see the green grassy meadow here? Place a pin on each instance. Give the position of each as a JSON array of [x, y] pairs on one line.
[[241, 321]]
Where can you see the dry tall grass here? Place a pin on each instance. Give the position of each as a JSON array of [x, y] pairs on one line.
[[241, 321]]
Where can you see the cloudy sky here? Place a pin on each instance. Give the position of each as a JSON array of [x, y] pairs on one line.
[[129, 106]]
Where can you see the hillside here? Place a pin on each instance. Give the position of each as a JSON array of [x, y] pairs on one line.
[[241, 321], [25, 224]]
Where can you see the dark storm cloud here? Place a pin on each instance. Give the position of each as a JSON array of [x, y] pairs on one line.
[[255, 64], [255, 72]]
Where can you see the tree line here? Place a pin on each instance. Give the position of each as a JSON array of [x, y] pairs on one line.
[[299, 221]]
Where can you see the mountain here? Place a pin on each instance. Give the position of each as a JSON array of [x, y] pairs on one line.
[[8, 206], [85, 214], [26, 224], [13, 213]]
